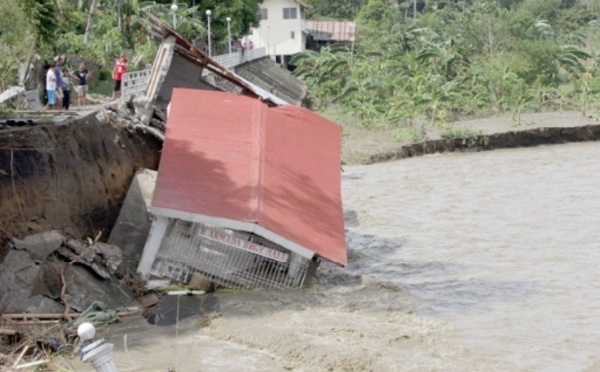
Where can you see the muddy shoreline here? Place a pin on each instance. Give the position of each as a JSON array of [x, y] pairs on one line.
[[486, 142]]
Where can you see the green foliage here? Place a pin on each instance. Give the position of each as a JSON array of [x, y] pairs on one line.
[[408, 135], [324, 72], [334, 9], [43, 16], [460, 133], [52, 27], [466, 137], [375, 20], [493, 56], [17, 41]]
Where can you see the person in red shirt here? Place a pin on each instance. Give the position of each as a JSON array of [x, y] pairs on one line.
[[120, 68]]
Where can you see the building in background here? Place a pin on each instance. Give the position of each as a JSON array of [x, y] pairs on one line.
[[281, 29], [323, 33]]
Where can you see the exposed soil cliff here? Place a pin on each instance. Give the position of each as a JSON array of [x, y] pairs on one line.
[[72, 176]]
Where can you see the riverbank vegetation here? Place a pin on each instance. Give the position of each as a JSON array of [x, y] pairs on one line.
[[455, 59]]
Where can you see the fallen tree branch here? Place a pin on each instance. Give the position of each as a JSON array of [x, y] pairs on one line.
[[63, 281]]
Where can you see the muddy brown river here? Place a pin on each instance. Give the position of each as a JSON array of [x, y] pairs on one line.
[[502, 245], [471, 262]]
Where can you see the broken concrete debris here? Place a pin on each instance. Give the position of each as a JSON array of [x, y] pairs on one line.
[[41, 245], [103, 259], [31, 274]]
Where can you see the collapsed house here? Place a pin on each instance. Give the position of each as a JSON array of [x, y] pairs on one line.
[[247, 195], [248, 188]]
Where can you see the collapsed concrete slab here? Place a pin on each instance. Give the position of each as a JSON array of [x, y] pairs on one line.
[[133, 224], [41, 245], [34, 285]]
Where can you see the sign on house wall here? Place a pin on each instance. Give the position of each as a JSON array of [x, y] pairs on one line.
[[245, 245]]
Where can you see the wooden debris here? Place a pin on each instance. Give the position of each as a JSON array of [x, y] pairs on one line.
[[16, 363], [38, 316], [7, 332], [32, 364]]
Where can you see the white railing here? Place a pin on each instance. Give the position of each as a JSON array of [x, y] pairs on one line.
[[135, 83], [237, 58]]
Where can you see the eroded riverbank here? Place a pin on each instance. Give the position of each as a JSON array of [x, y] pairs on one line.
[[476, 262], [460, 261]]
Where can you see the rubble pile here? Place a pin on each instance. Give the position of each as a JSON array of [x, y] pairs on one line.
[[35, 274]]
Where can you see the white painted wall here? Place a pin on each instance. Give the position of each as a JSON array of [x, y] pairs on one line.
[[275, 33]]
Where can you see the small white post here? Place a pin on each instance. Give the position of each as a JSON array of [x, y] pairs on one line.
[[99, 353], [174, 8], [229, 33], [208, 13]]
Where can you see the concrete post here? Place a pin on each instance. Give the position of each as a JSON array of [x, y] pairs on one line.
[[157, 232], [99, 354]]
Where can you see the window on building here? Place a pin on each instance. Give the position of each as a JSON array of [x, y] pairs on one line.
[[293, 35], [290, 13], [263, 13]]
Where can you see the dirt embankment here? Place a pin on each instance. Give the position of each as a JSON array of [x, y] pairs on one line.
[[72, 176], [520, 138], [363, 145]]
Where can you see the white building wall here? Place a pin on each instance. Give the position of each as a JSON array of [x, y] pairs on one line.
[[275, 33]]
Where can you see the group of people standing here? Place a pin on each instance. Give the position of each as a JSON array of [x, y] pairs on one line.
[[58, 85], [58, 82]]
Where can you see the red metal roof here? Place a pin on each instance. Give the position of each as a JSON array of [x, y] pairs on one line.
[[331, 30], [232, 161]]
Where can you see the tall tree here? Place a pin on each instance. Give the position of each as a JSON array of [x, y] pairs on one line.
[[88, 27]]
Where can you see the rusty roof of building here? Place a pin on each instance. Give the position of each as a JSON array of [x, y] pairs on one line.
[[232, 161], [331, 30]]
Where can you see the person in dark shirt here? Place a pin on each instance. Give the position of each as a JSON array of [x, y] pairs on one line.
[[66, 88], [82, 75]]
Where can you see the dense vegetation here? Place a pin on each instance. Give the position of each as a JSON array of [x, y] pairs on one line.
[[97, 31], [414, 63], [456, 58]]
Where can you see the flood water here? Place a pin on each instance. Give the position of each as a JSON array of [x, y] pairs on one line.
[[501, 245], [457, 262]]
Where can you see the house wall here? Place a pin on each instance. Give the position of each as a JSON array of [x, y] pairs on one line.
[[181, 74], [275, 33]]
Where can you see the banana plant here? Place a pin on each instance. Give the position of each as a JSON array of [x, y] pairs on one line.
[[324, 72]]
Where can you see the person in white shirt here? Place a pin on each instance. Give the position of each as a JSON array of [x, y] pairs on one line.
[[51, 87]]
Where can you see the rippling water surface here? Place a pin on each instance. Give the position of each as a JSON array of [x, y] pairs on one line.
[[502, 245]]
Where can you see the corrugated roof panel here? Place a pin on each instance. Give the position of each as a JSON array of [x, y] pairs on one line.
[[332, 30]]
